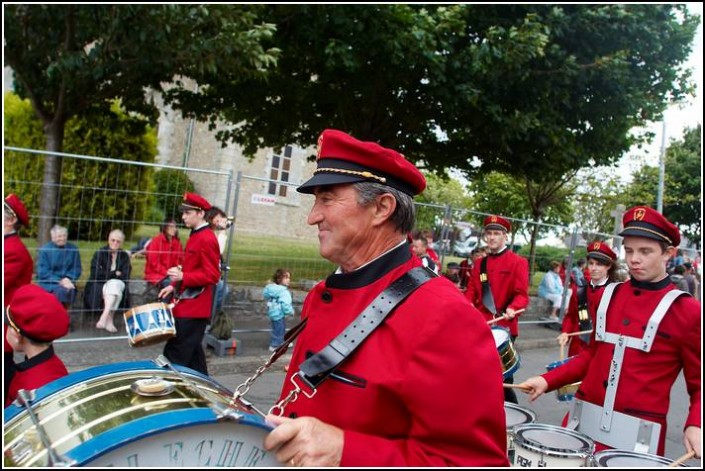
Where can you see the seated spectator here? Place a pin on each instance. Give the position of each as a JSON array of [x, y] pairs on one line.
[[453, 273], [35, 319], [678, 278], [105, 289], [551, 289], [163, 252], [59, 266], [578, 273]]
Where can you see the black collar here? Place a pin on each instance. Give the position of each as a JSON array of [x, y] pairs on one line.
[[36, 360], [497, 254], [372, 272], [651, 285]]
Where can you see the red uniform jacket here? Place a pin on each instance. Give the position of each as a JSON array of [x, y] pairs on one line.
[[18, 267], [508, 274], [35, 373], [201, 269], [424, 389], [646, 378], [571, 321], [161, 255]]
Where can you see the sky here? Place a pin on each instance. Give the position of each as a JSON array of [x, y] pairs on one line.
[[676, 118]]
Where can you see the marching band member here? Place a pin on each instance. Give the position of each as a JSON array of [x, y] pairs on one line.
[[646, 332], [499, 283], [424, 388]]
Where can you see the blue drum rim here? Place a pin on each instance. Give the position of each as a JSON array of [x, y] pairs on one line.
[[549, 450], [156, 424], [82, 376], [510, 372]]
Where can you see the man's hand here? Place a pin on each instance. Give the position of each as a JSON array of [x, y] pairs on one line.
[[534, 387], [693, 440], [305, 441], [165, 292]]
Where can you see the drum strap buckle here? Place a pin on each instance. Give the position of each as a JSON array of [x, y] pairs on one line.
[[309, 391]]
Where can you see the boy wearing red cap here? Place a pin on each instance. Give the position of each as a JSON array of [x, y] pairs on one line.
[[35, 319], [646, 332], [18, 267], [582, 310], [408, 395], [193, 286], [499, 283]]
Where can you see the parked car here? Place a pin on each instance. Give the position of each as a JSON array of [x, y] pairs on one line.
[[463, 247]]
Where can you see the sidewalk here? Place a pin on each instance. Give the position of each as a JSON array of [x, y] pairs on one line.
[[86, 348]]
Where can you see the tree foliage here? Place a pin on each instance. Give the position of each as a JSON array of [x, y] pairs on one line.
[[170, 185], [69, 60], [529, 90], [682, 200], [94, 197]]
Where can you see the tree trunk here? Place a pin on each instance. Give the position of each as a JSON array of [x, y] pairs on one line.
[[49, 198], [532, 251]]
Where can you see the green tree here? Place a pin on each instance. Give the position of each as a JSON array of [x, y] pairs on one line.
[[598, 193], [170, 186], [70, 59], [95, 197], [530, 90], [682, 185]]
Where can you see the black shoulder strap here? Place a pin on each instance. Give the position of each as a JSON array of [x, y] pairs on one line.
[[318, 367], [487, 298]]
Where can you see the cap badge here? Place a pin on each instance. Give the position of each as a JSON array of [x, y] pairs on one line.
[[493, 219], [319, 144], [639, 214], [596, 246]]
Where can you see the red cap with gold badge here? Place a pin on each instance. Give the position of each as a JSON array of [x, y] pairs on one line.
[[343, 159], [642, 221], [497, 223], [601, 251], [37, 314], [16, 207], [194, 201]]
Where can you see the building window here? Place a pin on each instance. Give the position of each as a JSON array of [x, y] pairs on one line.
[[281, 167]]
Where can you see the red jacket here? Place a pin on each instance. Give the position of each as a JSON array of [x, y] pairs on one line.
[[161, 255], [571, 321], [18, 267], [508, 274], [35, 373], [424, 389], [201, 269], [646, 378]]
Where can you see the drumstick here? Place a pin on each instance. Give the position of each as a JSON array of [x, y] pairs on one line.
[[579, 333], [682, 459], [561, 354], [517, 386], [503, 317]]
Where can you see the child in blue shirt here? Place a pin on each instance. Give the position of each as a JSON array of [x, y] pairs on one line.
[[279, 305]]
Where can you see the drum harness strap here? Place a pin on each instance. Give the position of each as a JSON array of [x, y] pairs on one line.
[[317, 368], [584, 321], [487, 297], [621, 342]]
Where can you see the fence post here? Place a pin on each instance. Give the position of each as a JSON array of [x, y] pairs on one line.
[[569, 266]]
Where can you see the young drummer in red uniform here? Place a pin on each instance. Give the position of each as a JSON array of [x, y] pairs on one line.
[[639, 349], [18, 268], [582, 309], [508, 277], [424, 389], [193, 286], [35, 319]]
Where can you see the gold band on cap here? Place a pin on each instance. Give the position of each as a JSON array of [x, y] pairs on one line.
[[9, 208], [351, 172], [10, 321], [651, 231]]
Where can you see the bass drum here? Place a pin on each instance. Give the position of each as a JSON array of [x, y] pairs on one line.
[[136, 414]]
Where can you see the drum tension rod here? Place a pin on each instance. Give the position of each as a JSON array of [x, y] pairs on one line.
[[24, 399]]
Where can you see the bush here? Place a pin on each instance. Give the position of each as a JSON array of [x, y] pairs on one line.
[[95, 196], [170, 187]]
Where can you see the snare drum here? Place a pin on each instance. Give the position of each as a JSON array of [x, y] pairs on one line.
[[541, 445], [629, 459], [567, 392], [149, 324], [136, 414], [507, 354], [516, 415]]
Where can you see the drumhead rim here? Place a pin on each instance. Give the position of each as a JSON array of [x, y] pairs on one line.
[[548, 450], [603, 455], [523, 410]]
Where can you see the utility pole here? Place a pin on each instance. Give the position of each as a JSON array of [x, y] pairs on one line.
[[617, 214], [661, 170]]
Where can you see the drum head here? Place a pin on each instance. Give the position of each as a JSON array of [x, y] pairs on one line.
[[629, 459], [553, 440], [501, 336], [517, 415]]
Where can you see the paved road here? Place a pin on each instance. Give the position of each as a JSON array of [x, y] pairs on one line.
[[265, 391]]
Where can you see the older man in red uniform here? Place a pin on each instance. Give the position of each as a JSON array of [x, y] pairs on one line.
[[36, 318], [18, 268], [424, 388], [646, 333], [193, 286], [499, 283]]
